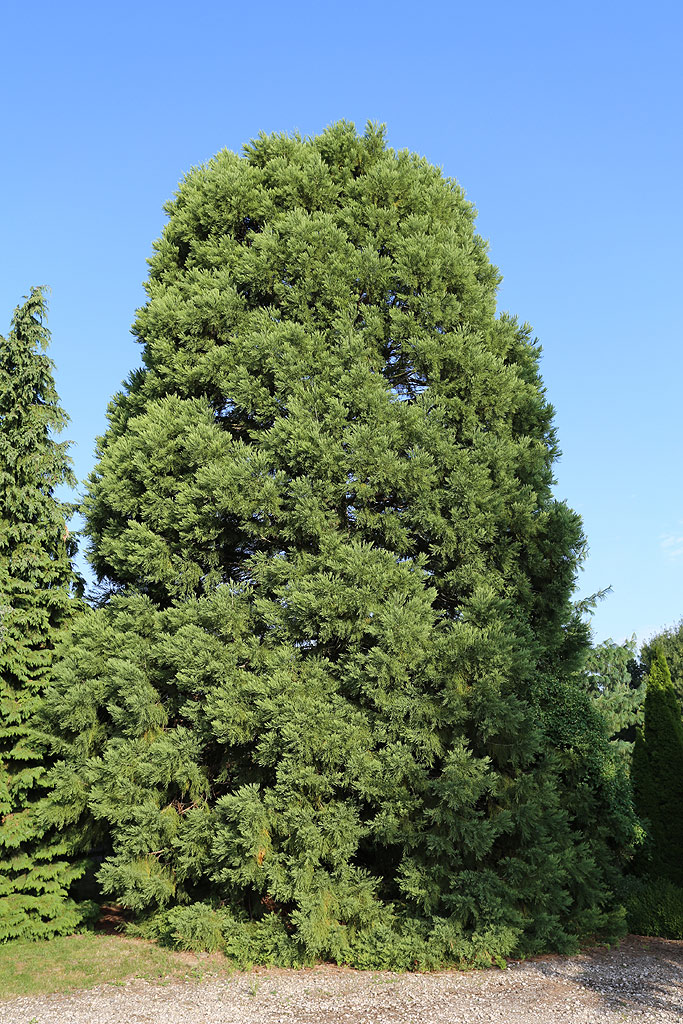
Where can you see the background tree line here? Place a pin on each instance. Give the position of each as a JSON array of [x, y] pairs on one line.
[[333, 697]]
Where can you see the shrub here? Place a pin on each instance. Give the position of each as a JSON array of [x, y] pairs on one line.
[[654, 906]]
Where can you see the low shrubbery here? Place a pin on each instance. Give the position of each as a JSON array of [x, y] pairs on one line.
[[654, 906], [386, 946]]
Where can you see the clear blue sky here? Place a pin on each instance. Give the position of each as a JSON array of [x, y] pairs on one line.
[[561, 121]]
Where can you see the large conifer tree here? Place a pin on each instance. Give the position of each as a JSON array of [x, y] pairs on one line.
[[332, 694], [36, 581]]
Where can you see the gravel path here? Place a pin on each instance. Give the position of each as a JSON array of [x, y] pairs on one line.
[[642, 980]]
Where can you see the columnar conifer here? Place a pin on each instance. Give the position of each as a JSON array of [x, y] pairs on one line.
[[658, 774], [36, 581], [669, 643], [331, 698]]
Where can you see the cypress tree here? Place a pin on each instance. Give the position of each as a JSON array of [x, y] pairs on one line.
[[330, 701], [36, 582], [658, 774]]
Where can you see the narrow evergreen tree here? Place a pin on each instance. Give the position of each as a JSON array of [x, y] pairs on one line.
[[658, 774], [331, 698], [36, 579]]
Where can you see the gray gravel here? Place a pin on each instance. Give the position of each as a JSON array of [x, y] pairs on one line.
[[642, 980]]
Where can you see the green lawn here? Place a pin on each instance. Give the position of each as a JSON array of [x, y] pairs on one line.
[[82, 961]]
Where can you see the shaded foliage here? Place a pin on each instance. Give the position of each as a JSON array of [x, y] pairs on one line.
[[658, 775], [654, 906]]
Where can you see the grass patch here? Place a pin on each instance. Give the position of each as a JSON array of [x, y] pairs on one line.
[[83, 961]]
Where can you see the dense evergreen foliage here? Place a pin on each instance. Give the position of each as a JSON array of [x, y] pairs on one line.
[[654, 906], [36, 581], [658, 775], [618, 691], [330, 702]]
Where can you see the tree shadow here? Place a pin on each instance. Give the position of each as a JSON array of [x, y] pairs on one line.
[[641, 973]]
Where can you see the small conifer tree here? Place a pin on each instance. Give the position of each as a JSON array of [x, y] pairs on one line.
[[608, 677], [331, 697], [36, 581], [658, 774]]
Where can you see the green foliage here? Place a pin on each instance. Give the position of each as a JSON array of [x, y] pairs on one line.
[[200, 927], [658, 775], [36, 581], [654, 906], [608, 677], [331, 695], [378, 947], [670, 643]]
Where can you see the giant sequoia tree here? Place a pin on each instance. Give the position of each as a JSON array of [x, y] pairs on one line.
[[330, 699], [36, 580]]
